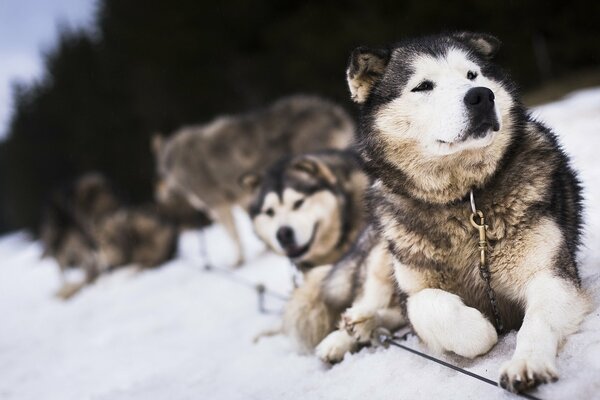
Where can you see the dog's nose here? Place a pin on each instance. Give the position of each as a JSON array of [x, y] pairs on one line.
[[285, 236], [480, 99]]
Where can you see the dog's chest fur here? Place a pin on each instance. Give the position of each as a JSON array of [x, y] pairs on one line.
[[439, 241]]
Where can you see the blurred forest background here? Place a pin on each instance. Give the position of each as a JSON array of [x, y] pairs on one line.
[[152, 66]]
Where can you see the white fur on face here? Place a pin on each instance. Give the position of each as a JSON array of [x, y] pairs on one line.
[[318, 208], [437, 119]]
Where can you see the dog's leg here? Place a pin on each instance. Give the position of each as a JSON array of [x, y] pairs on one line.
[[554, 310], [445, 323], [361, 320], [335, 345], [225, 216], [391, 318]]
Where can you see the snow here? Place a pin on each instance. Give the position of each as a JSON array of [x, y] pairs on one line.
[[180, 332]]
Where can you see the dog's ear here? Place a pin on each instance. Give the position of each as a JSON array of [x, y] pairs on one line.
[[482, 43], [314, 167], [156, 143], [250, 181], [365, 68]]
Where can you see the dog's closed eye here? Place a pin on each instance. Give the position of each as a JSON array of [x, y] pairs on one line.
[[424, 86], [298, 204]]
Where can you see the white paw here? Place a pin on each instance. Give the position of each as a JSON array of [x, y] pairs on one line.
[[334, 346], [358, 324], [523, 373], [445, 323]]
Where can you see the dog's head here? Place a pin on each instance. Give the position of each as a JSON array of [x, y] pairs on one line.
[[93, 197], [432, 99], [296, 209]]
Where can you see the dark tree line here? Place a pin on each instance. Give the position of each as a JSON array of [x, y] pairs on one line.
[[156, 65]]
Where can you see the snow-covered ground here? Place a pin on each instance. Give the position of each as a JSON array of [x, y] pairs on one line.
[[179, 332]]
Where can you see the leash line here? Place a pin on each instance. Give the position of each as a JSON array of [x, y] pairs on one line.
[[386, 339], [260, 289]]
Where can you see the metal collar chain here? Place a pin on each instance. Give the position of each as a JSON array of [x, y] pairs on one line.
[[478, 222]]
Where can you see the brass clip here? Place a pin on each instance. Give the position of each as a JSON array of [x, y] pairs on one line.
[[482, 228]]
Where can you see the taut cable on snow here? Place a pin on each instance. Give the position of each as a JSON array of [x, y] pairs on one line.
[[382, 336], [385, 338], [260, 288]]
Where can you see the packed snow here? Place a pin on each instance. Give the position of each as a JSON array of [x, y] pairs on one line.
[[180, 332]]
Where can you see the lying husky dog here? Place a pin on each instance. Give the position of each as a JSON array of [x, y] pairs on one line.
[[70, 218], [86, 226], [309, 207], [439, 121], [205, 162]]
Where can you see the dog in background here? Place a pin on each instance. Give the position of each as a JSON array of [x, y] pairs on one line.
[[86, 225], [205, 163], [310, 207]]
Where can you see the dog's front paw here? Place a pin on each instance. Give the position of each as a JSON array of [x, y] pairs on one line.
[[523, 373], [445, 323], [359, 324], [332, 349]]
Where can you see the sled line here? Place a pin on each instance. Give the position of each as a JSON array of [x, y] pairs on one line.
[[386, 339]]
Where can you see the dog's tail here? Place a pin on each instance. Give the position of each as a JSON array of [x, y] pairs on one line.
[[307, 319]]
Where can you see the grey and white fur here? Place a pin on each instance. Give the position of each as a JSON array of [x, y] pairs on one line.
[[438, 119]]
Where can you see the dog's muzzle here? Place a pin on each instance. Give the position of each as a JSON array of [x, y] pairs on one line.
[[287, 240], [482, 112]]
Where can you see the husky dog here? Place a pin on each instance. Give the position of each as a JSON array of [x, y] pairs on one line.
[[205, 163], [86, 226], [70, 217], [440, 121], [309, 207]]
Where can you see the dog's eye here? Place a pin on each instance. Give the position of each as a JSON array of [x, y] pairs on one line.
[[298, 204], [270, 212], [471, 75], [424, 86]]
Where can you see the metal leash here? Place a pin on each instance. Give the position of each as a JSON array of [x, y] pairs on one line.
[[261, 290], [385, 338], [484, 270]]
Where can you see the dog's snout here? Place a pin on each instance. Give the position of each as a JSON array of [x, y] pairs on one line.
[[285, 236], [480, 98]]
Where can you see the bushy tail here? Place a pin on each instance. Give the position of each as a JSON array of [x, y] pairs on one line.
[[307, 319]]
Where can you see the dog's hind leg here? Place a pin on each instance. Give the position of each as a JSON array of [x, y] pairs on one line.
[[224, 215], [554, 309]]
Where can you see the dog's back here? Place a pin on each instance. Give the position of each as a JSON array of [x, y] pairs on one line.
[[208, 160]]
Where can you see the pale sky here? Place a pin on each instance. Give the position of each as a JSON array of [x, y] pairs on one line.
[[27, 28]]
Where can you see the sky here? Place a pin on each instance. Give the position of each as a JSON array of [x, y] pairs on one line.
[[27, 29]]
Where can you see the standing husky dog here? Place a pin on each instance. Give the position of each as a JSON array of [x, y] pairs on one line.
[[439, 120], [205, 162], [309, 207]]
